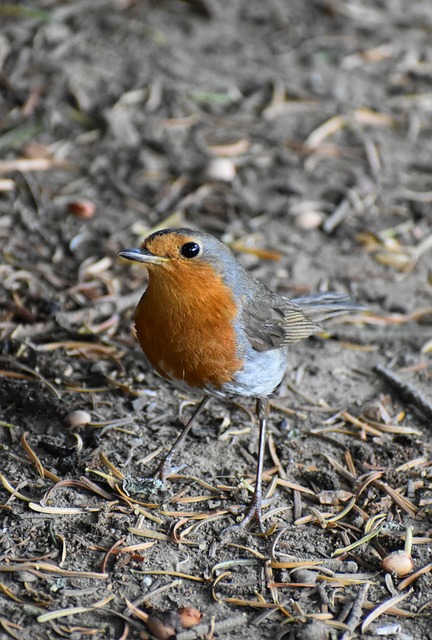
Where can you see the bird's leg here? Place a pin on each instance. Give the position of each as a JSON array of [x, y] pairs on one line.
[[165, 469], [253, 512]]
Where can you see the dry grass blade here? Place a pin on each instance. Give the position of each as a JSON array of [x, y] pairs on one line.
[[326, 519], [350, 463], [394, 428], [381, 609], [421, 540], [82, 483], [392, 611], [174, 574], [395, 318], [341, 514], [7, 425], [7, 185], [44, 473], [32, 164], [71, 611], [148, 533], [45, 567], [132, 548], [366, 480], [225, 574], [138, 613], [270, 579], [34, 374], [10, 594], [111, 551], [12, 490], [373, 118], [427, 347], [341, 470], [238, 562], [31, 454], [234, 148], [405, 504], [256, 604], [85, 631], [357, 543], [204, 484], [148, 458], [298, 564], [316, 517], [290, 585], [190, 515], [61, 511], [204, 518], [11, 627], [254, 552], [191, 499], [292, 412], [108, 477], [179, 536], [414, 576], [364, 426], [116, 472], [328, 128], [62, 543], [73, 345], [274, 456], [295, 487], [374, 522], [412, 464], [343, 580]]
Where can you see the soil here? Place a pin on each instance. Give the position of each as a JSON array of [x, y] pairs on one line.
[[301, 133]]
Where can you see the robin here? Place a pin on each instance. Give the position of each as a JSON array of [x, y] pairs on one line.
[[210, 327]]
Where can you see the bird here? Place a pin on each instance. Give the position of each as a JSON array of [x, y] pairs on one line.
[[210, 327]]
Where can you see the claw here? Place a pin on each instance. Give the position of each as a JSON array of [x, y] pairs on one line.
[[253, 512], [165, 470]]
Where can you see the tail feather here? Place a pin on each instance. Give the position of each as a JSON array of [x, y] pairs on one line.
[[323, 306]]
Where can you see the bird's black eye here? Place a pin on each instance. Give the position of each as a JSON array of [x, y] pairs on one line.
[[190, 250]]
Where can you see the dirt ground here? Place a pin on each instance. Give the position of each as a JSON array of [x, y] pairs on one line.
[[299, 132]]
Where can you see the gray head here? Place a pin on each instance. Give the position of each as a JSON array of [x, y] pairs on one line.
[[188, 250]]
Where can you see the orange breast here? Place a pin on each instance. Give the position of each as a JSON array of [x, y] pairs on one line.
[[184, 324]]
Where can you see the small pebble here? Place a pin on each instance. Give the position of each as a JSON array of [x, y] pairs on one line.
[[189, 617], [399, 563], [78, 418], [165, 625], [304, 576], [221, 169], [309, 220], [82, 209]]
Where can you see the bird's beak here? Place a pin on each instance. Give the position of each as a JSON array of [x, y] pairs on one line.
[[142, 255]]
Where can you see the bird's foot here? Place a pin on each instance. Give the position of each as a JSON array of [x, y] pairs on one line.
[[253, 512], [165, 470]]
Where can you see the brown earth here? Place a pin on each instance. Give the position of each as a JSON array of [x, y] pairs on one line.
[[300, 128]]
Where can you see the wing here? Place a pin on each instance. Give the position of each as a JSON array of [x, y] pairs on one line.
[[272, 321]]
